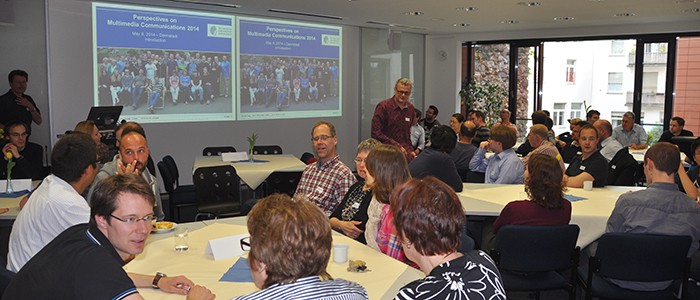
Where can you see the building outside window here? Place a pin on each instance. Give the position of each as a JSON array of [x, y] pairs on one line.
[[558, 114], [614, 82], [571, 71]]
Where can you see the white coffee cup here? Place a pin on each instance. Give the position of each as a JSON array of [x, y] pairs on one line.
[[340, 253], [588, 185]]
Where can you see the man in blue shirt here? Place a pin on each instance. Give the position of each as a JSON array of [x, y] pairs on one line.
[[504, 166], [629, 133]]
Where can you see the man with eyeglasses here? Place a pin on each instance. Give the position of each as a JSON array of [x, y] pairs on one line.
[[86, 260], [28, 157], [391, 123], [131, 159], [16, 105], [326, 181]]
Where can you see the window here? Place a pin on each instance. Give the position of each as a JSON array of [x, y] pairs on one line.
[[650, 82], [558, 114], [616, 118], [571, 71], [614, 82], [576, 110], [617, 47]]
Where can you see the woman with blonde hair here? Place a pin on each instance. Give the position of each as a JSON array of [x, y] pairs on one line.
[[90, 128]]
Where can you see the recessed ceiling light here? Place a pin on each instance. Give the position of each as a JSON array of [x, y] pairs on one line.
[[510, 21], [685, 1], [529, 4], [413, 13], [563, 18], [625, 14], [460, 25], [467, 8], [692, 10], [437, 19]]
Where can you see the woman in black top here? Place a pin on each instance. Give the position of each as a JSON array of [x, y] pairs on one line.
[[350, 216]]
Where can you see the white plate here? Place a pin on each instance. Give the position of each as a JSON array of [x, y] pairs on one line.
[[164, 230]]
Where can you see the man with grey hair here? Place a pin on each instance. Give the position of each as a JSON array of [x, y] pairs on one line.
[[630, 133], [392, 120]]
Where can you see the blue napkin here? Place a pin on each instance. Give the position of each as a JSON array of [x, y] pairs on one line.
[[254, 160], [239, 272], [15, 194], [573, 198]]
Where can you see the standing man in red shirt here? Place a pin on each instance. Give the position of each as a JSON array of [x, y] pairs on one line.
[[391, 123]]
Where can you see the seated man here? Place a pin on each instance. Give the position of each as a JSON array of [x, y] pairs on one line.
[[131, 159], [571, 148], [464, 149], [56, 203], [538, 138], [609, 145], [290, 244], [436, 160], [325, 182], [28, 156], [659, 209], [675, 128], [86, 260], [630, 133], [504, 166], [482, 132], [590, 165]]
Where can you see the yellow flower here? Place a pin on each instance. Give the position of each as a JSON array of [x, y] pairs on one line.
[[8, 155]]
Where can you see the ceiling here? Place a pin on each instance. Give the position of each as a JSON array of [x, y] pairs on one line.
[[471, 16]]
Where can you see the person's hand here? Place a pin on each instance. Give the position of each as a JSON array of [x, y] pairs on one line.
[[4, 210], [24, 102], [484, 145], [10, 147], [350, 229], [23, 202], [176, 285], [129, 168], [200, 292]]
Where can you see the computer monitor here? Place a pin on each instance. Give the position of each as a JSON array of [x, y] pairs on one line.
[[105, 117]]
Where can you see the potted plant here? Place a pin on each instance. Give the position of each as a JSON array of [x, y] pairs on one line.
[[251, 142]]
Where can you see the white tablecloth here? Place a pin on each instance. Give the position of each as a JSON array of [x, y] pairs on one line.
[[386, 277], [13, 205], [590, 214], [253, 174]]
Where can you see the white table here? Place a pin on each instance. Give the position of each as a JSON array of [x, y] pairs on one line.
[[386, 277], [590, 214], [253, 174], [639, 156], [13, 205]]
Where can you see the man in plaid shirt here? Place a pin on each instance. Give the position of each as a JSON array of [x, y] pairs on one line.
[[326, 181]]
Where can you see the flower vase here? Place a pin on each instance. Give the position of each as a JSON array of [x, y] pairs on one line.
[[250, 155], [8, 186]]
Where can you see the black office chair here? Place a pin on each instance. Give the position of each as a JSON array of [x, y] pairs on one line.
[[531, 258], [283, 182], [467, 243], [178, 196], [636, 257], [622, 169], [5, 276], [475, 177], [270, 149], [218, 191], [216, 151]]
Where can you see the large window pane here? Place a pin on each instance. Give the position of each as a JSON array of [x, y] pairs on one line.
[[491, 67], [653, 89]]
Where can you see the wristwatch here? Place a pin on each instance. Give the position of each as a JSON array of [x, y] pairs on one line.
[[156, 279]]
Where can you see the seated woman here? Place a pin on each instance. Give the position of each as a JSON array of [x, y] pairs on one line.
[[546, 204], [386, 168], [90, 128], [429, 220], [504, 166], [350, 216], [590, 165], [456, 122], [290, 244]]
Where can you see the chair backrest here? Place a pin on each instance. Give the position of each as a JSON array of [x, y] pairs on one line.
[[168, 181], [217, 189], [172, 168], [622, 169], [467, 242], [216, 151], [269, 149], [283, 182], [525, 248], [641, 257], [307, 158]]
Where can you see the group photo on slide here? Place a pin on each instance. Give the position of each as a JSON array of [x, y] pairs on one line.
[[274, 83], [154, 81]]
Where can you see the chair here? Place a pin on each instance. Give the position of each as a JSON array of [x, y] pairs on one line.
[[475, 177], [308, 158], [216, 151], [5, 276], [271, 149], [218, 191], [530, 258], [622, 169], [467, 243], [283, 182], [179, 196], [636, 257]]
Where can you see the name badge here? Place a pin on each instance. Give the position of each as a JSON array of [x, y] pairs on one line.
[[356, 205], [408, 119], [319, 190], [582, 168]]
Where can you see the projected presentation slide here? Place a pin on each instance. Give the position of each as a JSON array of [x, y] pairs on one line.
[[164, 65], [288, 69]]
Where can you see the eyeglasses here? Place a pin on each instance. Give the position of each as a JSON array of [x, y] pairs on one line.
[[16, 135], [245, 243], [403, 92], [132, 220], [359, 160], [320, 137]]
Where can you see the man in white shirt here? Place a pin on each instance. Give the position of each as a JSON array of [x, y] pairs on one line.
[[56, 204], [609, 145]]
